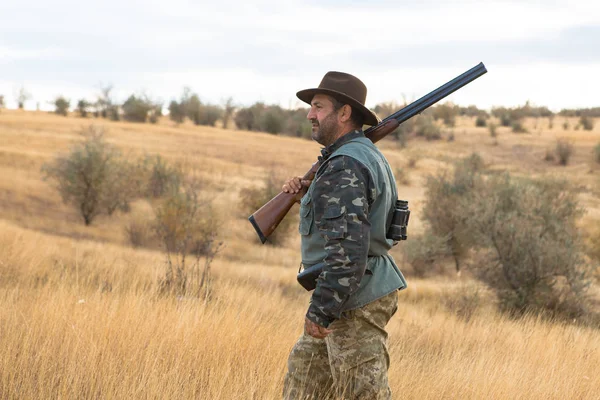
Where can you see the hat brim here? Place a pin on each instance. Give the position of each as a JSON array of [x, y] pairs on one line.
[[307, 95]]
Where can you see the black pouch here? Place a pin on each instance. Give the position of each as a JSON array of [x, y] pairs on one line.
[[308, 276]]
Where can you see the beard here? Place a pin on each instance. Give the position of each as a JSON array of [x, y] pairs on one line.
[[326, 130]]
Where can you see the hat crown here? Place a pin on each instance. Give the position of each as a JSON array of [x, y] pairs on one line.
[[345, 83]]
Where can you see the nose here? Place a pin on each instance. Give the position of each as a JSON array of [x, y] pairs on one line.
[[311, 114]]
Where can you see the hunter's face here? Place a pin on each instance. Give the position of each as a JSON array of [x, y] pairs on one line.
[[324, 119]]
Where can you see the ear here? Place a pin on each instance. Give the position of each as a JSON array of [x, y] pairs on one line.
[[344, 113]]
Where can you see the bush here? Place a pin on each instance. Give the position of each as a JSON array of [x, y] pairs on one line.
[[61, 106], [441, 210], [249, 118], [566, 125], [492, 128], [481, 121], [82, 108], [447, 112], [176, 112], [91, 176], [162, 178], [586, 122], [272, 120], [136, 109], [597, 153], [564, 151], [422, 252], [254, 198], [533, 250], [517, 127], [208, 115], [185, 224], [426, 126]]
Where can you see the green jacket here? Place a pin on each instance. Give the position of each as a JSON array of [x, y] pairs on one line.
[[344, 218]]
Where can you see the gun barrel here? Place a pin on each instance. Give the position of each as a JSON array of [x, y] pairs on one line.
[[417, 106]]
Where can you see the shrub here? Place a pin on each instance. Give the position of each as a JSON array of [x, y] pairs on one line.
[[442, 212], [517, 127], [481, 121], [586, 122], [249, 118], [564, 151], [566, 125], [528, 230], [61, 106], [209, 115], [447, 112], [136, 109], [139, 231], [162, 178], [426, 126], [253, 198], [272, 120], [1, 102], [492, 128], [90, 177], [422, 252], [228, 110], [597, 153], [82, 108], [465, 301], [176, 112], [186, 224]]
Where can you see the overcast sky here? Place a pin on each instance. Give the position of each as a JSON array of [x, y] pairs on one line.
[[547, 52]]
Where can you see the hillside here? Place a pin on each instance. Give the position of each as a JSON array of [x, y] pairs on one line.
[[82, 317]]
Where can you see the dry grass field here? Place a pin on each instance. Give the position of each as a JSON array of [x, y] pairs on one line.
[[81, 316]]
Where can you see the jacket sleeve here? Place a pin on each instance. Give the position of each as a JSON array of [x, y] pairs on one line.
[[342, 197]]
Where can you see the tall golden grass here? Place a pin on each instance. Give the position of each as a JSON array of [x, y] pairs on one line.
[[81, 316]]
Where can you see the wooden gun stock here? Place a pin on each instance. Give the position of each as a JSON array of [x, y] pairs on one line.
[[268, 217]]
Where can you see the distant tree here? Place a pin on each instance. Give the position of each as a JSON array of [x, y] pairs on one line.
[[209, 115], [586, 122], [22, 96], [136, 109], [228, 110], [272, 120], [155, 112], [82, 108], [447, 112], [104, 103], [176, 112], [191, 105], [1, 102], [249, 118], [61, 106]]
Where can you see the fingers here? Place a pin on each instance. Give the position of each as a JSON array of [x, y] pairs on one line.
[[293, 185], [314, 330]]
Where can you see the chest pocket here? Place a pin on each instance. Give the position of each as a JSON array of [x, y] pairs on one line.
[[334, 225], [306, 215]]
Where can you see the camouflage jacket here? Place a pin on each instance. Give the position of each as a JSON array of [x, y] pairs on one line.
[[337, 208]]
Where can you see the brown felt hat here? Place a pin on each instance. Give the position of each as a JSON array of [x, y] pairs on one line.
[[345, 88]]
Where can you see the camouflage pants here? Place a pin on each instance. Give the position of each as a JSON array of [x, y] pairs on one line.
[[350, 363]]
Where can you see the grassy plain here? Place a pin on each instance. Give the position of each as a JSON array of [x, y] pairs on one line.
[[81, 318]]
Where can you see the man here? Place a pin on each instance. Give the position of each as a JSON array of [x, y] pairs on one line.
[[344, 215]]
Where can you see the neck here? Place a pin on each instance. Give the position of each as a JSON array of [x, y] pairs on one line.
[[342, 131]]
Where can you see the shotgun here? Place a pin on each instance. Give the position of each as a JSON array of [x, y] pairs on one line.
[[268, 217]]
